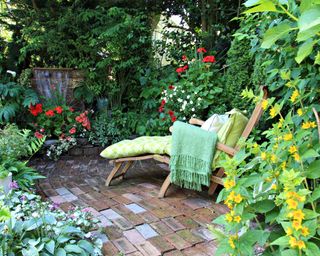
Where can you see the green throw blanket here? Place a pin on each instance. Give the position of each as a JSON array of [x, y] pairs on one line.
[[191, 156]]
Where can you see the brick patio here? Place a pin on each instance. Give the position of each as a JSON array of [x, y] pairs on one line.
[[133, 220]]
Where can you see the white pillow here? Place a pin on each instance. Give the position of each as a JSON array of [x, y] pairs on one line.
[[215, 122]]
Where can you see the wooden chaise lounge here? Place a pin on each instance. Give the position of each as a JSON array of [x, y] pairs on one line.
[[122, 165]]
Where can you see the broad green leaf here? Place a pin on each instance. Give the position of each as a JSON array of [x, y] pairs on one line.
[[315, 195], [86, 246], [313, 171], [289, 252], [310, 153], [309, 18], [317, 59], [73, 248], [263, 206], [304, 50], [309, 214], [306, 4], [264, 6], [50, 246], [252, 2], [60, 252], [284, 240], [312, 249], [275, 33]]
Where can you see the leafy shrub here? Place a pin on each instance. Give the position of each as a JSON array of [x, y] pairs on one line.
[[197, 89], [29, 226], [14, 101], [272, 189]]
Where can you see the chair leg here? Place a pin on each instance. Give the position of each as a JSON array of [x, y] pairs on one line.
[[125, 169], [164, 187], [213, 185], [113, 173]]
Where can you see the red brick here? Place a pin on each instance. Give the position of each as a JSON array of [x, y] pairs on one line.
[[124, 245], [174, 224], [161, 244], [193, 251], [109, 249], [173, 253], [189, 237], [162, 228], [187, 222], [113, 232], [147, 249], [134, 218], [148, 217], [177, 241], [122, 200]]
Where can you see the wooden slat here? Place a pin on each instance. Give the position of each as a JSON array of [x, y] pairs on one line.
[[134, 158], [229, 150], [216, 180]]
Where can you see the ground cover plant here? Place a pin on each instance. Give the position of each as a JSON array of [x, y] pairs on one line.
[[272, 188]]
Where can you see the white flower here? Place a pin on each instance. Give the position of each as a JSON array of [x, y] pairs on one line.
[[165, 99], [195, 93], [188, 97], [182, 91], [191, 102], [170, 95], [193, 109], [184, 118], [12, 73], [174, 93], [35, 214], [179, 100]]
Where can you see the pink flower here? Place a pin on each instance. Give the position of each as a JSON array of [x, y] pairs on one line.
[[184, 58], [38, 135], [13, 185], [72, 130]]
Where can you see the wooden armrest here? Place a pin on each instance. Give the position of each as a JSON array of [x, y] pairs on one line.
[[224, 148], [196, 121]]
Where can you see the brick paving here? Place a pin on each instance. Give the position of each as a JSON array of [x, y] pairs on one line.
[[133, 220]]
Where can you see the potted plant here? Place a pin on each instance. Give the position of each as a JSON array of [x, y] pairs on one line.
[[5, 179]]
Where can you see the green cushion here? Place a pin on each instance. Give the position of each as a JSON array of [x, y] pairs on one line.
[[140, 146], [229, 134]]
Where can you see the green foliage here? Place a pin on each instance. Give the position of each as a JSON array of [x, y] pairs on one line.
[[275, 185], [239, 70], [32, 227], [14, 99]]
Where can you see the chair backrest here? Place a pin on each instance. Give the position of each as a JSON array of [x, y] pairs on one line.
[[255, 116]]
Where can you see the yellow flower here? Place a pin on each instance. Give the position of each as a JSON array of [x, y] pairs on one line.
[[273, 158], [273, 112], [263, 155], [300, 198], [264, 104], [274, 186], [305, 231], [293, 241], [306, 125], [283, 165], [296, 225], [230, 197], [289, 232], [313, 124], [300, 244], [299, 112], [296, 157], [275, 146], [298, 215], [280, 123], [288, 137], [237, 219], [238, 198], [229, 218], [231, 243], [293, 149], [294, 96], [292, 204], [229, 184]]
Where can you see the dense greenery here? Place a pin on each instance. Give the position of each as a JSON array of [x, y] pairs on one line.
[[272, 189]]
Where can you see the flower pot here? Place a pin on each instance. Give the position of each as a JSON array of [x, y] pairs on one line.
[[5, 183]]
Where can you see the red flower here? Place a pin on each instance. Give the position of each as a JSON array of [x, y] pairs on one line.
[[71, 109], [184, 58], [38, 135], [201, 50], [173, 118], [42, 130], [163, 102], [59, 109], [72, 130], [179, 70], [210, 59], [171, 113], [50, 113], [171, 87], [61, 137], [185, 67], [160, 109], [35, 110]]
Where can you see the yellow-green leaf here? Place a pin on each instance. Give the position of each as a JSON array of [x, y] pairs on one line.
[[264, 6], [304, 51], [275, 33]]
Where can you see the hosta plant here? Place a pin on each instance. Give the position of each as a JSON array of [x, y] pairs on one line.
[[29, 226]]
